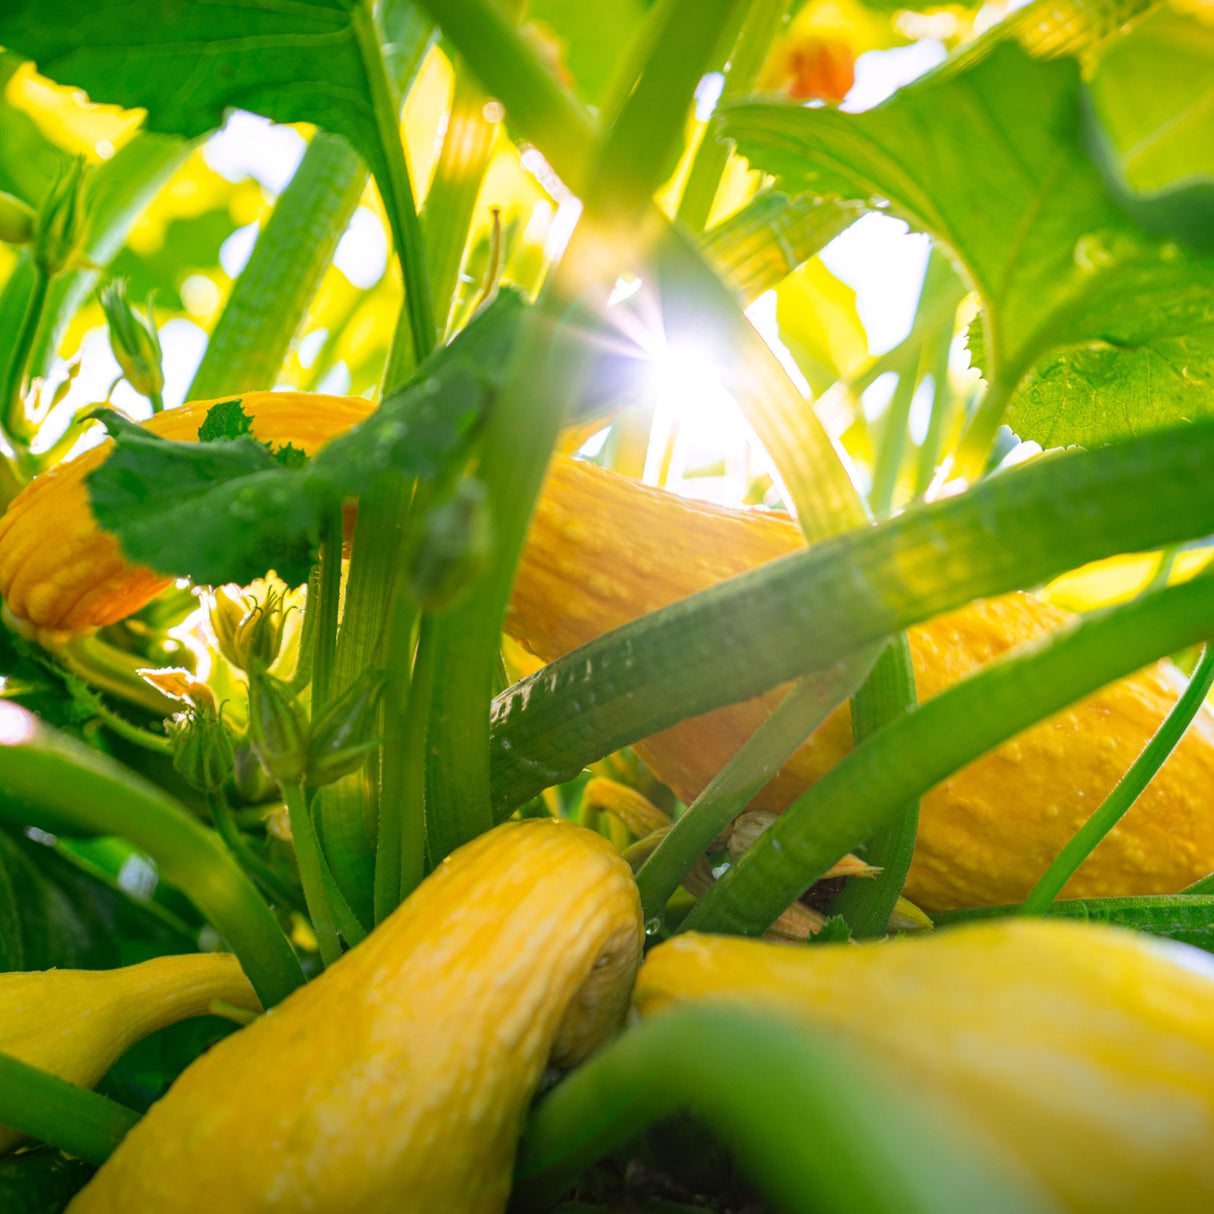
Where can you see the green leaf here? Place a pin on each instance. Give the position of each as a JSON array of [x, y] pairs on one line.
[[247, 510], [64, 917], [41, 1181], [1152, 124], [227, 419], [314, 61], [1185, 917], [1073, 291], [188, 63], [241, 510]]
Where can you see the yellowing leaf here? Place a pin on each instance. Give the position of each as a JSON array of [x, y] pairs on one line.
[[820, 324]]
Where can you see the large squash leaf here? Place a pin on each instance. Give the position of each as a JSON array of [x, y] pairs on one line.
[[1152, 113], [1074, 292]]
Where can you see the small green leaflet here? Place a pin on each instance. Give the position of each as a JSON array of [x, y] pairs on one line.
[[229, 510], [216, 511], [990, 160], [227, 419]]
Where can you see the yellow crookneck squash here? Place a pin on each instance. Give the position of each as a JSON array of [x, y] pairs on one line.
[[1085, 1053], [604, 550], [396, 1082], [77, 1023]]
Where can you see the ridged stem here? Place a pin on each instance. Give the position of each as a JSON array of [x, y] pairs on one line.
[[921, 748], [52, 781], [51, 1110]]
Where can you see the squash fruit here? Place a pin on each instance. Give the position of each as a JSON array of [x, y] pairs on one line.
[[61, 573], [1085, 1053], [604, 550], [77, 1023], [396, 1082]]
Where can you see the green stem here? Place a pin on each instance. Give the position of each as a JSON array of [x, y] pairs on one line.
[[509, 68], [155, 742], [325, 643], [318, 884], [921, 748], [272, 293], [762, 23], [16, 424], [807, 610], [1127, 790], [889, 691], [893, 438], [348, 811], [411, 776], [51, 1110], [60, 785], [805, 707], [157, 401], [938, 345], [448, 210], [111, 669], [397, 191], [757, 1080], [262, 873], [762, 243], [301, 676], [976, 439], [394, 799]]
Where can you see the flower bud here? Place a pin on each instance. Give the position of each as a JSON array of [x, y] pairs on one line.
[[202, 749], [247, 630], [275, 728], [16, 220], [135, 342], [61, 225], [253, 786], [341, 738], [455, 540]]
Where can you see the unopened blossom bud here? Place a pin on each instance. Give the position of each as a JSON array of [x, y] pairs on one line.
[[342, 737], [135, 342], [276, 729], [202, 749], [62, 222]]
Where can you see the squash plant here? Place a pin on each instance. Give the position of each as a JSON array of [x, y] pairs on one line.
[[318, 780]]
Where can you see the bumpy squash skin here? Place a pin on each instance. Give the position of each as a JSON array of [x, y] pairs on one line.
[[603, 550], [61, 573], [77, 1023], [1087, 1053], [397, 1080]]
